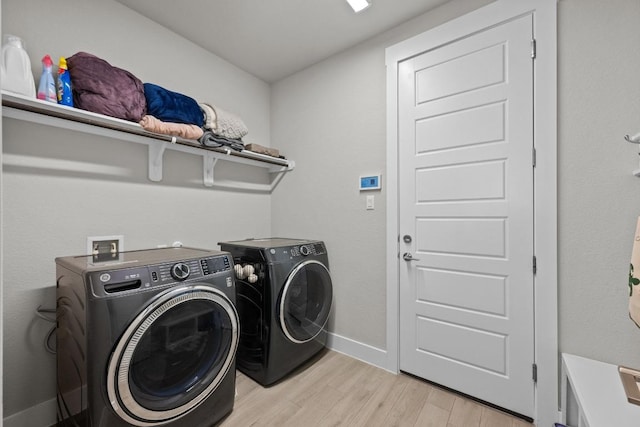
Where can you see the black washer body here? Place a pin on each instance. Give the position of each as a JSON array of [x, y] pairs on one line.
[[149, 339], [283, 314]]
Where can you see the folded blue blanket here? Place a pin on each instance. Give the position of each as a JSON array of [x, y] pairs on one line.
[[173, 107]]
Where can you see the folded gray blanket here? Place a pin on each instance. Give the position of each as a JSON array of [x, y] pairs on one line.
[[223, 123], [210, 139]]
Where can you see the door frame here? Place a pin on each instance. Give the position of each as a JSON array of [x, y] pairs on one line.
[[545, 182]]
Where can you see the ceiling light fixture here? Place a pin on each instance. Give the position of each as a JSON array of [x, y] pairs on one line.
[[359, 5]]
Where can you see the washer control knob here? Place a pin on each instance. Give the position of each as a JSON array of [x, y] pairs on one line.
[[304, 250], [180, 271]]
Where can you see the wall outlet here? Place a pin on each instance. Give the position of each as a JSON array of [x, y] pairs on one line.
[[105, 248]]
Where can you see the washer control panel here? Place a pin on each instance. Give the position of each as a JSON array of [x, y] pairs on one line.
[[130, 279], [308, 249], [183, 270], [215, 265]]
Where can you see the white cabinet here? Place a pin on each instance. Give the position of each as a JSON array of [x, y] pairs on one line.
[[593, 395]]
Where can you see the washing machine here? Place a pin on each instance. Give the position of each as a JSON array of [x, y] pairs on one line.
[[284, 296], [148, 339]]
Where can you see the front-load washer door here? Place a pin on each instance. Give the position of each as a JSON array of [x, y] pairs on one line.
[[173, 355], [305, 301]]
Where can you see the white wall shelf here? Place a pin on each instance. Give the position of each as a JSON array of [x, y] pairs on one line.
[[36, 111]]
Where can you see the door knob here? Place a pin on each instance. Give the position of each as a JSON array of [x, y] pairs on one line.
[[407, 239], [408, 257]]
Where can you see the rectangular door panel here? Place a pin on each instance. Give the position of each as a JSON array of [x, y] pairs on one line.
[[452, 342], [475, 181], [481, 293], [470, 236], [461, 74], [454, 129]]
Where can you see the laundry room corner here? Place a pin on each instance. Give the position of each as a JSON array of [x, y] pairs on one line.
[[60, 186], [334, 142]]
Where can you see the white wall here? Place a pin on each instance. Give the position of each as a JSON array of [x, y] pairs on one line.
[[599, 199], [50, 208], [331, 119]]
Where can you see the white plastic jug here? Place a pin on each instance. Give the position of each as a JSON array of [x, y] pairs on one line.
[[15, 68]]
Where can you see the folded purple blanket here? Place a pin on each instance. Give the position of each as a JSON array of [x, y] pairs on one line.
[[173, 107], [102, 88]]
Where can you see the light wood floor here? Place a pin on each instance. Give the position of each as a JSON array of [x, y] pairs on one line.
[[337, 390]]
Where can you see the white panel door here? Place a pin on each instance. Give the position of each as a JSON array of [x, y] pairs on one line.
[[466, 215]]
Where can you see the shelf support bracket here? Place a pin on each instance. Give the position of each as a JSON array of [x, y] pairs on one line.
[[208, 166], [634, 139], [156, 154]]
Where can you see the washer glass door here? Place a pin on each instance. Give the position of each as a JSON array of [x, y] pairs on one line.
[[306, 301], [173, 355]]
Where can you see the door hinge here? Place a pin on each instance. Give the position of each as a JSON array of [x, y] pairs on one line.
[[533, 48], [534, 372], [534, 155], [535, 265]]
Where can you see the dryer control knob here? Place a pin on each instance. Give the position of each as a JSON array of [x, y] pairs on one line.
[[180, 271], [304, 250]]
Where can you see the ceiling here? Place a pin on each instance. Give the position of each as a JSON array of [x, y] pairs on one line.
[[272, 39]]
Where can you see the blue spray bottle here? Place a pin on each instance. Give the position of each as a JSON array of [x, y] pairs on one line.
[[47, 86], [65, 96]]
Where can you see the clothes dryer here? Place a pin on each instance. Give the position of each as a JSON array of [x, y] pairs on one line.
[[284, 308], [149, 340]]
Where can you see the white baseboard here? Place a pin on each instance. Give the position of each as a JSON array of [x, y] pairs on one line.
[[40, 415], [368, 354]]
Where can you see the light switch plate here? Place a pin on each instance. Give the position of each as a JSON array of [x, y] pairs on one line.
[[371, 202]]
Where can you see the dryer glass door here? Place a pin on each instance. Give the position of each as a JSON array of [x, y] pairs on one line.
[[173, 355], [306, 301]]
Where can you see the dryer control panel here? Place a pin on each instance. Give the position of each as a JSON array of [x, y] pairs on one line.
[[288, 253]]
